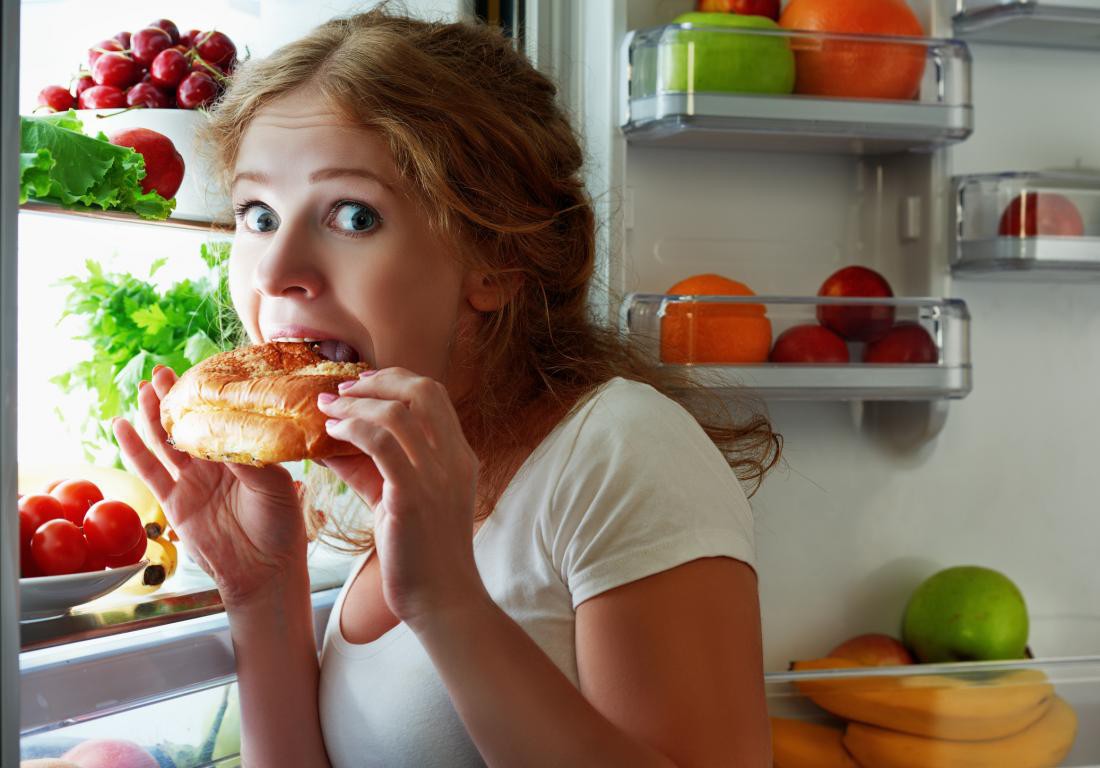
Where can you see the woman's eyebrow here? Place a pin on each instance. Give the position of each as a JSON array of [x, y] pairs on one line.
[[332, 173], [256, 176]]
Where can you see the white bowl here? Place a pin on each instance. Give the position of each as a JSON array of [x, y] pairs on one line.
[[199, 196], [44, 597]]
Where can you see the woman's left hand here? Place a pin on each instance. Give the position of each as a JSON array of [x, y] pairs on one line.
[[419, 476]]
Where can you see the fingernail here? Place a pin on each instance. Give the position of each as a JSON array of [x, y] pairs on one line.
[[332, 423], [142, 384], [344, 385], [364, 374], [157, 367], [326, 397]]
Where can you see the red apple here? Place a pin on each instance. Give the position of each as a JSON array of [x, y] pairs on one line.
[[856, 323], [809, 344], [769, 8], [873, 650], [1046, 213], [110, 753], [163, 164], [904, 343]]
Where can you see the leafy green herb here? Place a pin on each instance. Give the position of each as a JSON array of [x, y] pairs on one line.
[[132, 327], [58, 163]]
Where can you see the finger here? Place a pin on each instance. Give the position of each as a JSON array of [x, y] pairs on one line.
[[149, 406], [379, 444], [142, 461], [163, 378], [426, 398], [392, 415], [361, 475], [273, 480]]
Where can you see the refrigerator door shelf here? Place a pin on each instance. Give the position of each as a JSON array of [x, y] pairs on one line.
[[700, 325], [1062, 24], [39, 207], [1027, 226], [677, 92], [1033, 712]]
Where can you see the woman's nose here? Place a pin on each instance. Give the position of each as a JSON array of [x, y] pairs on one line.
[[287, 267]]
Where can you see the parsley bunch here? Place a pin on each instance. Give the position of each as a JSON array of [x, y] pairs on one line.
[[132, 327]]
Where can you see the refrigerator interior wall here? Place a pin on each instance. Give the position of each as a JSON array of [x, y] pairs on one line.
[[846, 527]]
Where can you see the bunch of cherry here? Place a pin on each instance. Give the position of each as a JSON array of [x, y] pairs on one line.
[[154, 67]]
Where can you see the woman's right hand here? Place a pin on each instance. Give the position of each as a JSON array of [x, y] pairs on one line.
[[243, 525]]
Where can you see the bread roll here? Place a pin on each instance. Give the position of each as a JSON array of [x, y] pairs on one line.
[[256, 405]]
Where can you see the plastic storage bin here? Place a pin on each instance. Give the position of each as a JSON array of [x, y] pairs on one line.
[[1027, 225], [774, 89], [730, 342], [1060, 24]]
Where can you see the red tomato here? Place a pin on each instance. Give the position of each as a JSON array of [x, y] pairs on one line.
[[76, 497], [95, 561], [53, 484], [34, 510], [113, 528], [27, 568], [58, 547], [130, 557]]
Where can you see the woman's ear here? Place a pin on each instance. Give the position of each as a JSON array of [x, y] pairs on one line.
[[489, 293]]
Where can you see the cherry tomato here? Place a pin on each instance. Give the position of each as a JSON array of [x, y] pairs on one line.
[[58, 547], [27, 567], [48, 488], [76, 497], [113, 528], [130, 557], [34, 510], [95, 561]]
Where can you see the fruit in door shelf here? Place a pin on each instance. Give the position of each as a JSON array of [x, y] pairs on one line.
[[966, 613], [1043, 744], [56, 98], [852, 322], [714, 332], [873, 650], [809, 344], [101, 97], [716, 61], [769, 8], [961, 707], [76, 497], [856, 69], [800, 744], [110, 753], [904, 343], [163, 164], [1041, 213]]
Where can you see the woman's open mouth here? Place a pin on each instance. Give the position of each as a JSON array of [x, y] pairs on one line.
[[331, 349]]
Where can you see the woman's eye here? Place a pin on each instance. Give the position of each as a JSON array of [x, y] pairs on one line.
[[259, 218], [354, 217]]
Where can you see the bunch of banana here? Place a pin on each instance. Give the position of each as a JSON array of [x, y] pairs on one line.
[[163, 558], [801, 744]]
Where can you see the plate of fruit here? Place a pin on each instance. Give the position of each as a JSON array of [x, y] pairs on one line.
[[85, 533]]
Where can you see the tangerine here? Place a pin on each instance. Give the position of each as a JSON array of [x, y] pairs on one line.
[[853, 69], [713, 332]]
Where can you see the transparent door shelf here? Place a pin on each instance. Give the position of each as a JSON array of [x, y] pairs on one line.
[[714, 88], [1043, 226], [1061, 24], [703, 324], [1035, 712]]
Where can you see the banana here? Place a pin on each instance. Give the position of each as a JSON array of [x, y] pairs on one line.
[[801, 744], [935, 706], [1043, 745], [163, 558]]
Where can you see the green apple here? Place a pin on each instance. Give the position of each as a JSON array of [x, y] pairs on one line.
[[966, 613], [709, 60]]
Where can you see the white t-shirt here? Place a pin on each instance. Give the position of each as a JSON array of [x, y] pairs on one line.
[[626, 486]]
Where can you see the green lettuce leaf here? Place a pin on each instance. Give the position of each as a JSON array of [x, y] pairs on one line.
[[60, 164]]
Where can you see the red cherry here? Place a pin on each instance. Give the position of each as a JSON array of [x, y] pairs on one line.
[[168, 68], [189, 37], [116, 69], [148, 42], [169, 27], [904, 343], [102, 97], [809, 344], [56, 98], [146, 95], [82, 83], [103, 46], [856, 323], [216, 47], [1045, 213], [196, 90]]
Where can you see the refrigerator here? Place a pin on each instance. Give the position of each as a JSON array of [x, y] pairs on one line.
[[981, 454]]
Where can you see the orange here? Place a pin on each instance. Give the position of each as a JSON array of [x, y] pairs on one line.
[[855, 69], [710, 332]]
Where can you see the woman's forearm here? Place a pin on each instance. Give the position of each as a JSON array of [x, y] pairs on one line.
[[278, 674], [516, 704]]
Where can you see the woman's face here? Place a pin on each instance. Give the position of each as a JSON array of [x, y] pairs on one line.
[[330, 246]]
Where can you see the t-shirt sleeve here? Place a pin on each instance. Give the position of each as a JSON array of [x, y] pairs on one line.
[[642, 490]]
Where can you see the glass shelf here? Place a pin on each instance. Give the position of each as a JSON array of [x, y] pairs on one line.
[[1036, 712], [173, 221], [1030, 226], [1063, 24], [727, 343], [703, 87]]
